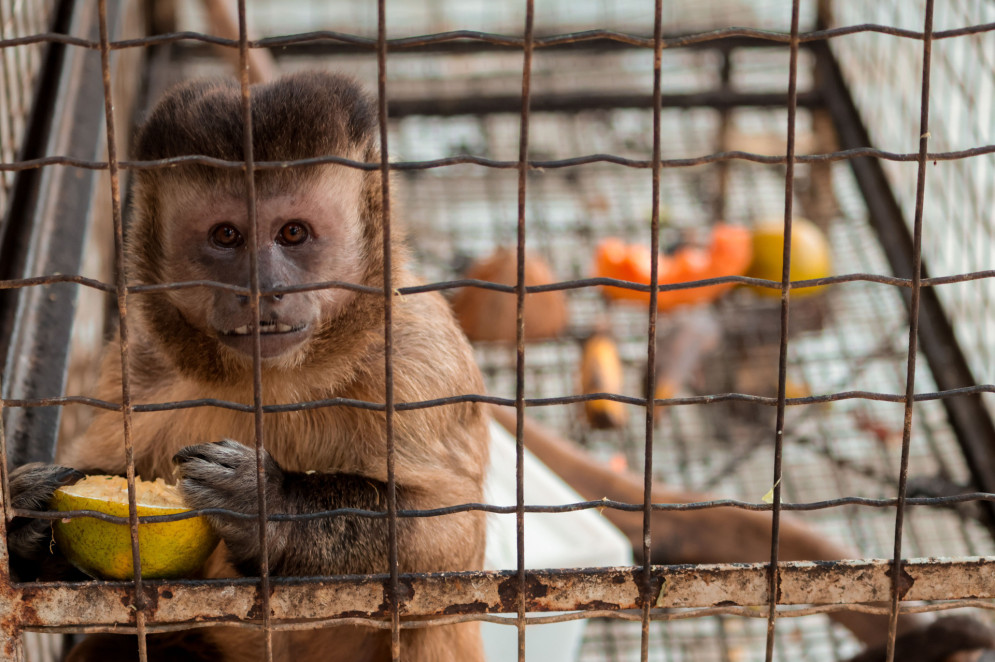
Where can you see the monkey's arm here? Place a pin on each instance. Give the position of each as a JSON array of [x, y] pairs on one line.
[[223, 475]]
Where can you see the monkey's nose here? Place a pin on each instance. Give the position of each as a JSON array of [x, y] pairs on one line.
[[244, 300]]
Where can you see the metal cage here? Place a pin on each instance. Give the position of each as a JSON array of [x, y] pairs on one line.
[[550, 127]]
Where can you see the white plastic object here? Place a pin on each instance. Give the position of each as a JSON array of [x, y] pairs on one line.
[[578, 539]]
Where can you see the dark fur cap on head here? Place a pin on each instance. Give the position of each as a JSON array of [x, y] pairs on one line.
[[295, 117]]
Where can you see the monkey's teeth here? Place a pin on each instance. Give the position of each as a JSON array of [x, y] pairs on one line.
[[264, 328]]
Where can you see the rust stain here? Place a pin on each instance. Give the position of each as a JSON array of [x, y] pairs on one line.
[[599, 605], [256, 610], [905, 581], [475, 607], [405, 590], [508, 591]]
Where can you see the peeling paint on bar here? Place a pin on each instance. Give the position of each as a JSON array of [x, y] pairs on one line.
[[600, 589]]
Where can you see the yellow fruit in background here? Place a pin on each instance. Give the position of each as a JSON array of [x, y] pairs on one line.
[[810, 256], [103, 549]]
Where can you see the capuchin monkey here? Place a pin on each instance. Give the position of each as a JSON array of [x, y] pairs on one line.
[[317, 224]]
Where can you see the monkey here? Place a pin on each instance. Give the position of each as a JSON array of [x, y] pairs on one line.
[[316, 224]]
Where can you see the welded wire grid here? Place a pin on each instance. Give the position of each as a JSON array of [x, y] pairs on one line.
[[850, 447], [18, 71], [960, 191], [859, 343]]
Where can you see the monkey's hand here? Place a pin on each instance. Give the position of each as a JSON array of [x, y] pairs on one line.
[[223, 475], [29, 540]]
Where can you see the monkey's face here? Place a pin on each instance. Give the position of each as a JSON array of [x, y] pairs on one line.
[[309, 235]]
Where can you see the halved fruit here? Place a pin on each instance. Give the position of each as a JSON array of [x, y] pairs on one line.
[[168, 550]]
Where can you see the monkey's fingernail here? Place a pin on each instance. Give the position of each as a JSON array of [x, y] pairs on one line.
[[68, 476]]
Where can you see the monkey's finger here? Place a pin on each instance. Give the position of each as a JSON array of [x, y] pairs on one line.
[[204, 470], [227, 453], [185, 458]]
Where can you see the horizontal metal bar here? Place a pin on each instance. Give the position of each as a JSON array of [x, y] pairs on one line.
[[587, 100], [766, 401], [19, 283], [367, 44], [104, 605], [466, 159], [599, 504]]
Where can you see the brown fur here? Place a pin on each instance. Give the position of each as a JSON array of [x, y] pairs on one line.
[[440, 452]]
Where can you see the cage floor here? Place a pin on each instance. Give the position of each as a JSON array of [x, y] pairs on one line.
[[854, 336]]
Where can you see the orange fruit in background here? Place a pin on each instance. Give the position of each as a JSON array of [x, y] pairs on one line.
[[727, 254], [810, 255]]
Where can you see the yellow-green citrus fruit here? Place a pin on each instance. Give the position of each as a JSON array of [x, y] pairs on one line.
[[103, 549], [810, 256]]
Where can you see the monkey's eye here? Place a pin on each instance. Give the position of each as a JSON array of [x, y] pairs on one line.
[[293, 233], [226, 236]]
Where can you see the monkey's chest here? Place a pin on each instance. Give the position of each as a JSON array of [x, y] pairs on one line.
[[299, 441]]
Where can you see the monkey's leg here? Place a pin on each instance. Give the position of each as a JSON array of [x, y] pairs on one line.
[[717, 535]]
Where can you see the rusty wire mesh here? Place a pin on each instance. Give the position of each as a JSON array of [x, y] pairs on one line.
[[540, 385], [18, 71]]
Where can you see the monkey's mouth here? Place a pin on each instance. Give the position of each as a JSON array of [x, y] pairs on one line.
[[275, 338], [265, 328]]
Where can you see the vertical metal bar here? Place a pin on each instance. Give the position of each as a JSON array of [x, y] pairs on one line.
[[725, 121], [12, 645], [122, 307], [773, 582], [647, 596], [8, 134], [523, 169], [897, 585], [5, 483], [257, 371], [388, 334], [10, 635]]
